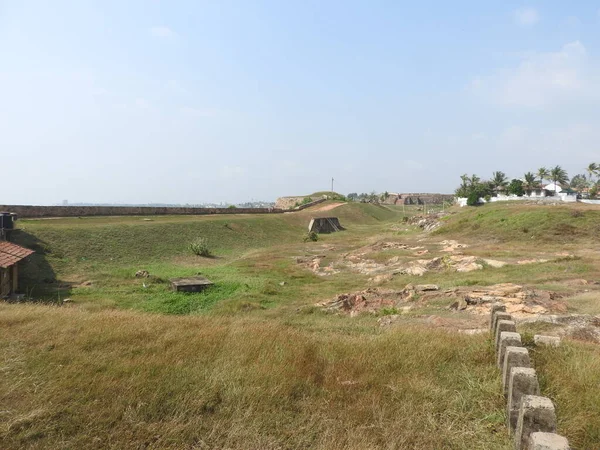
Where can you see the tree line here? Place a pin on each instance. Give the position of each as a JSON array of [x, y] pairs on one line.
[[473, 187]]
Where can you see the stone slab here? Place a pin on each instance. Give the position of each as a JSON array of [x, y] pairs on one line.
[[506, 339], [496, 308], [499, 316], [513, 357], [190, 284], [503, 325], [522, 381], [547, 441], [535, 414]]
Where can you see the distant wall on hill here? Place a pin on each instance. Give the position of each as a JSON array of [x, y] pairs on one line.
[[418, 199], [30, 211], [291, 202]]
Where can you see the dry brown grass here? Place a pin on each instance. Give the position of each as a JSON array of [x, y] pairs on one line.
[[569, 376], [116, 379]]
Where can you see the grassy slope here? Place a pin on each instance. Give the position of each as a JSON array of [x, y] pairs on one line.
[[256, 372], [115, 379], [252, 258], [510, 223]]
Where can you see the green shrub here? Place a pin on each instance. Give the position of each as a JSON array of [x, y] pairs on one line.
[[200, 247], [311, 236], [473, 199]]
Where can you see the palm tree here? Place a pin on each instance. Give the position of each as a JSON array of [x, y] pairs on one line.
[[499, 181], [529, 182], [559, 176], [580, 182], [542, 174], [593, 169]]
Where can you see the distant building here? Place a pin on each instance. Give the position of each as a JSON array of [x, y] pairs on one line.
[[10, 255]]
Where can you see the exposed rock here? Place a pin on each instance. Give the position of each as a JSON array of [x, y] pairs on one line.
[[142, 274]]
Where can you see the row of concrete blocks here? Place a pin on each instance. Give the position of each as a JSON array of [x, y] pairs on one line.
[[530, 417]]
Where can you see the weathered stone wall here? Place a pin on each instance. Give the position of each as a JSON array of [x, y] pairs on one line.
[[28, 211], [418, 199], [531, 419], [291, 202]]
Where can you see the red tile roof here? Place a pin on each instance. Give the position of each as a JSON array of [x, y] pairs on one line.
[[11, 254]]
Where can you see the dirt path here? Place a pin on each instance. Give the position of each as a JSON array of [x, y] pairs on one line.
[[329, 207]]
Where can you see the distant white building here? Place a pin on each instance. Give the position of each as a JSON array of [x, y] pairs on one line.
[[553, 187]]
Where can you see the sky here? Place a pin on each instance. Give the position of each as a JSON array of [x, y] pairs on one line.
[[144, 101]]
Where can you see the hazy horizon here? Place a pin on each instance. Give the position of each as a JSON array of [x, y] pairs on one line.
[[192, 102]]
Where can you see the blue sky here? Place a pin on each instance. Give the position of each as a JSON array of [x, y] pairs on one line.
[[210, 101]]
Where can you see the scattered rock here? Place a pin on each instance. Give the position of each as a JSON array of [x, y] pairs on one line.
[[67, 300], [142, 274], [532, 261], [381, 278], [425, 287], [282, 283], [452, 246]]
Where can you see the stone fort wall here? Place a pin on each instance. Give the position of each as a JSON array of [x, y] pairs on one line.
[[31, 211]]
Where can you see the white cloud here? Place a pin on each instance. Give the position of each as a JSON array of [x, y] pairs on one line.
[[526, 17], [162, 32], [542, 79]]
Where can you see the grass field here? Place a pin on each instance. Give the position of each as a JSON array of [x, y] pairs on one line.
[[251, 363]]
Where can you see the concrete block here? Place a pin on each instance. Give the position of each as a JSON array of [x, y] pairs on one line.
[[496, 308], [499, 316], [503, 325], [506, 339], [513, 357], [522, 381], [535, 414], [547, 441], [552, 341]]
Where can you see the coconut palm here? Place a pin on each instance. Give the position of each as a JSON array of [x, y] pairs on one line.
[[499, 181], [580, 182], [559, 176], [542, 174], [529, 182], [593, 170]]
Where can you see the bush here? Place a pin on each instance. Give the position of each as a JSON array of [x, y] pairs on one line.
[[311, 236], [473, 199], [200, 247], [232, 207], [516, 188]]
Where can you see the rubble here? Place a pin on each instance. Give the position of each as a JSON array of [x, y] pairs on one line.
[[372, 300], [427, 222]]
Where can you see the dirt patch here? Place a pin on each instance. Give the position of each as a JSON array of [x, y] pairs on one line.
[[315, 264], [328, 207]]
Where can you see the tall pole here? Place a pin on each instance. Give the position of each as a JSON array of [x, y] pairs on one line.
[[331, 184]]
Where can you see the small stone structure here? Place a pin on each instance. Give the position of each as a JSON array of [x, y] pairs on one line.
[[531, 418], [325, 225], [190, 284]]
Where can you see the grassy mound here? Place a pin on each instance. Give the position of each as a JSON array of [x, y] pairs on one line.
[[251, 258], [508, 222]]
